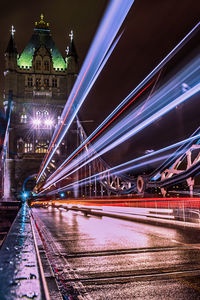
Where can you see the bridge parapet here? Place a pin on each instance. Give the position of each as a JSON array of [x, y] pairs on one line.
[[19, 271]]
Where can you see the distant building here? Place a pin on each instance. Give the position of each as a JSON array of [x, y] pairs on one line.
[[40, 79]]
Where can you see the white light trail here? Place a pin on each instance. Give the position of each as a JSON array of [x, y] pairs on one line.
[[158, 67], [160, 104], [110, 25], [132, 164]]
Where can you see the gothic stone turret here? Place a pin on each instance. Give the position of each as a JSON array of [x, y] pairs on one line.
[[40, 79]]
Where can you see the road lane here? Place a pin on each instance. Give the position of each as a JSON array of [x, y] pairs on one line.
[[105, 258]]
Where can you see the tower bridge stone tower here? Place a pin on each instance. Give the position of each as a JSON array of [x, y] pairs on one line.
[[40, 79]]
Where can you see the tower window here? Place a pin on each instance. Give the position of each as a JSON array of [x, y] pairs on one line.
[[42, 113], [38, 82], [46, 65], [54, 82], [38, 64], [28, 147], [46, 82], [30, 81], [41, 147], [23, 118]]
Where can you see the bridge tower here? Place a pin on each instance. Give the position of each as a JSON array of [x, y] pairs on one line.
[[40, 79]]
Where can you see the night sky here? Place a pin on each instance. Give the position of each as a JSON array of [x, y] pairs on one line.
[[151, 29]]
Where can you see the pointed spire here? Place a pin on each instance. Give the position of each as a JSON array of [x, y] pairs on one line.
[[11, 48], [67, 50], [71, 35], [13, 31], [71, 50]]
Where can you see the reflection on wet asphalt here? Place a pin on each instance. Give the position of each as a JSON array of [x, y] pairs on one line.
[[117, 259]]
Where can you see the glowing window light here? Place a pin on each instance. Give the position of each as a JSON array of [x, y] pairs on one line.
[[42, 113], [23, 118], [28, 147], [41, 147]]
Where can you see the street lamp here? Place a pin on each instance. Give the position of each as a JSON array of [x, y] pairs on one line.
[[36, 122], [48, 122]]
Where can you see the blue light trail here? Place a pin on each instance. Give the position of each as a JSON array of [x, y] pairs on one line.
[[160, 104], [95, 60], [129, 165], [150, 75]]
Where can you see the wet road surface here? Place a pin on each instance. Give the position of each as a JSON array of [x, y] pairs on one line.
[[105, 258]]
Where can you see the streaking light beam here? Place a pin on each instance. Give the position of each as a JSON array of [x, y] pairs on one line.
[[130, 165], [106, 142], [111, 23]]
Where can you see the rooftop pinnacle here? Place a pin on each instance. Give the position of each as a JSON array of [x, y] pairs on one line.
[[41, 24]]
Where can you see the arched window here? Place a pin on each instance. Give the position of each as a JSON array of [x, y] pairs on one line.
[[38, 64], [46, 65], [42, 113], [23, 118]]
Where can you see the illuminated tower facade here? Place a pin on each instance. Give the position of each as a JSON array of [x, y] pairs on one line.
[[40, 80]]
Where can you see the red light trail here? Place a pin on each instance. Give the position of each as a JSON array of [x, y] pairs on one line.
[[53, 143], [114, 118]]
